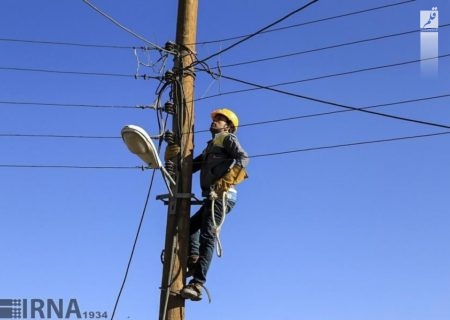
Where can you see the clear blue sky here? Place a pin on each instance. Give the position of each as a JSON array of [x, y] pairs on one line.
[[345, 233]]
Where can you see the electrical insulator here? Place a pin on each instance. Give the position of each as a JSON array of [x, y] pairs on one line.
[[169, 107], [170, 46], [169, 76], [169, 137]]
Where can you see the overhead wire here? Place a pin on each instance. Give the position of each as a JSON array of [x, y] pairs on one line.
[[91, 106], [248, 37], [335, 46], [125, 28], [309, 22], [310, 149], [133, 249], [73, 44], [32, 166], [392, 103], [351, 144], [336, 104], [209, 70], [313, 99], [145, 77], [115, 46], [344, 73], [337, 111], [21, 135]]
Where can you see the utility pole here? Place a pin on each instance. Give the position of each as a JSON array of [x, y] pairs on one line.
[[177, 230]]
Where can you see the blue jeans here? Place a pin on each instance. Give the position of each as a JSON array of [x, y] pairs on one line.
[[202, 240]]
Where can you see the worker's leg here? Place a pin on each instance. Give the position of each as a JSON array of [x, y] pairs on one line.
[[207, 240], [195, 224], [206, 249]]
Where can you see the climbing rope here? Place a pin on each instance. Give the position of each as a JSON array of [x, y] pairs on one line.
[[217, 227]]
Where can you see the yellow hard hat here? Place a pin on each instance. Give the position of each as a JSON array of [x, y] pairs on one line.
[[230, 115]]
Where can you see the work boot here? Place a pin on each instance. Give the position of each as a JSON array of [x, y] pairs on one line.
[[192, 291], [191, 265]]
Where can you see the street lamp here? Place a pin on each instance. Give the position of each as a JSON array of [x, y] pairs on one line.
[[139, 142]]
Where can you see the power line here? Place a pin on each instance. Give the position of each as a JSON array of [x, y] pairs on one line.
[[352, 144], [115, 46], [95, 106], [125, 28], [336, 146], [253, 61], [133, 249], [339, 111], [73, 44], [219, 94], [323, 48], [58, 136], [345, 73], [310, 22], [145, 77], [260, 30], [31, 166], [336, 104], [16, 135]]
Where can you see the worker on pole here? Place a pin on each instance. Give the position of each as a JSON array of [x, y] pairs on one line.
[[222, 165]]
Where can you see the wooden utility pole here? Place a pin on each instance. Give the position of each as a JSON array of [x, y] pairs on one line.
[[177, 231]]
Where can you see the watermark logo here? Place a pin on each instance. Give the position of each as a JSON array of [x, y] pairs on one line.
[[429, 20], [429, 24], [46, 309]]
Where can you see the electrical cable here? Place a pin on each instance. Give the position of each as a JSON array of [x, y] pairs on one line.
[[392, 103], [260, 30], [20, 135], [145, 77], [309, 22], [134, 246], [345, 73], [352, 144], [48, 104], [337, 111], [336, 104], [125, 28], [31, 166], [336, 146], [287, 55], [220, 94], [161, 125], [61, 43], [162, 61], [111, 46]]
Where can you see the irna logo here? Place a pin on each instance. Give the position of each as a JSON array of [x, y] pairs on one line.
[[45, 309]]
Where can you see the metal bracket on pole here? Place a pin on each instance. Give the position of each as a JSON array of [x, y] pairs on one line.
[[166, 197]]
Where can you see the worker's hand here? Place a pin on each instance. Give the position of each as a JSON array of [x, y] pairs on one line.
[[172, 151], [231, 178]]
